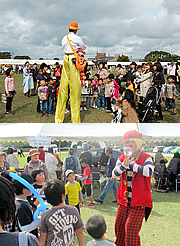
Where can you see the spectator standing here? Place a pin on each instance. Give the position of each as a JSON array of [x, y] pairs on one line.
[[103, 72], [27, 80], [35, 163], [71, 163], [86, 153], [34, 72], [4, 165], [41, 154], [51, 163], [12, 159], [111, 182], [10, 91], [172, 171], [158, 155]]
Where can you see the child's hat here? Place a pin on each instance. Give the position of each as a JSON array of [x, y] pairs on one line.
[[68, 172]]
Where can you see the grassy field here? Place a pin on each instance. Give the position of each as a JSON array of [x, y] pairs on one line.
[[163, 224], [25, 109]]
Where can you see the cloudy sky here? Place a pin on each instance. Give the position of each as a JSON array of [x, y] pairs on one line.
[[128, 27]]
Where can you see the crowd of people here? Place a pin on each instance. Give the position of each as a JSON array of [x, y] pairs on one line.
[[58, 224], [115, 91]]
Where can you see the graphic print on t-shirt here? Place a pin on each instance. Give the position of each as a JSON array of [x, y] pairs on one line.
[[64, 231]]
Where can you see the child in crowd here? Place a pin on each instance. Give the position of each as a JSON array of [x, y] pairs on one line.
[[129, 108], [171, 94], [60, 223], [138, 75], [101, 95], [52, 96], [24, 217], [130, 82], [108, 93], [43, 93], [73, 191], [87, 180], [96, 227], [95, 84], [38, 176], [95, 174], [84, 92], [89, 100], [10, 91]]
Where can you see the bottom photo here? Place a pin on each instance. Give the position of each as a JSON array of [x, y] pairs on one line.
[[89, 184]]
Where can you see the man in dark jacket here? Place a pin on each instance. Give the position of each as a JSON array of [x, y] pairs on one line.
[[110, 182], [172, 170]]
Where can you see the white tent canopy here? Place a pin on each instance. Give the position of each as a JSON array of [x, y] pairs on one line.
[[100, 132]]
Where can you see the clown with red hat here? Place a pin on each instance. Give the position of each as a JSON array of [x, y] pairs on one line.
[[70, 76], [134, 192]]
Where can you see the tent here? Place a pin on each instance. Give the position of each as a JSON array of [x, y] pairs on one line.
[[74, 132]]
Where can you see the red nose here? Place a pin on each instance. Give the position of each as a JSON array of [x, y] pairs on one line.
[[130, 145]]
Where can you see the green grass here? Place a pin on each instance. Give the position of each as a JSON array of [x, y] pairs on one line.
[[162, 227], [25, 109]]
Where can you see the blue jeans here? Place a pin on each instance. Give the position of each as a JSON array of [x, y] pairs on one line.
[[89, 101], [51, 105], [43, 104], [101, 100], [114, 101], [107, 188]]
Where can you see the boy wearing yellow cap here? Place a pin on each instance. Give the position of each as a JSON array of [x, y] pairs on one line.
[[70, 76]]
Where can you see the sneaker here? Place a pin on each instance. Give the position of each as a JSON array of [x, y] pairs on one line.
[[94, 106], [85, 108], [9, 114], [12, 112], [173, 113], [112, 114], [103, 108], [98, 201], [47, 114], [41, 115], [98, 108], [91, 205], [66, 111], [80, 108]]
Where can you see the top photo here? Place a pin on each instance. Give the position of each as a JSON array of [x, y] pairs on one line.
[[100, 63]]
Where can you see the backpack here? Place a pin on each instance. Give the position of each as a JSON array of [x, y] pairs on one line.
[[70, 163]]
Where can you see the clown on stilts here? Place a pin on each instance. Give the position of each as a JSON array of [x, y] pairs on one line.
[[70, 77], [134, 192]]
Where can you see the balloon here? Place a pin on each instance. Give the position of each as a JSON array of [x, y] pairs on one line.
[[42, 205]]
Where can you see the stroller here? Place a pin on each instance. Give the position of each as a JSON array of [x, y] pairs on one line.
[[147, 108]]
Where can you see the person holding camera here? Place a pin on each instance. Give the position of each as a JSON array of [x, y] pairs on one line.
[[70, 77]]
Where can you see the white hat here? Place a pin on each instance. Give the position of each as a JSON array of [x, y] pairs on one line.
[[68, 172]]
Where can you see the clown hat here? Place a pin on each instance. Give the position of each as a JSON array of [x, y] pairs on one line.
[[131, 134], [73, 26]]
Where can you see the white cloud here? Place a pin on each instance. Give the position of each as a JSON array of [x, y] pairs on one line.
[[128, 27]]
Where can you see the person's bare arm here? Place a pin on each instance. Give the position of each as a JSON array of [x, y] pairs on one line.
[[80, 236], [42, 238]]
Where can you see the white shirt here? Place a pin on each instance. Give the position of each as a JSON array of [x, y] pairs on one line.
[[75, 41], [51, 162]]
